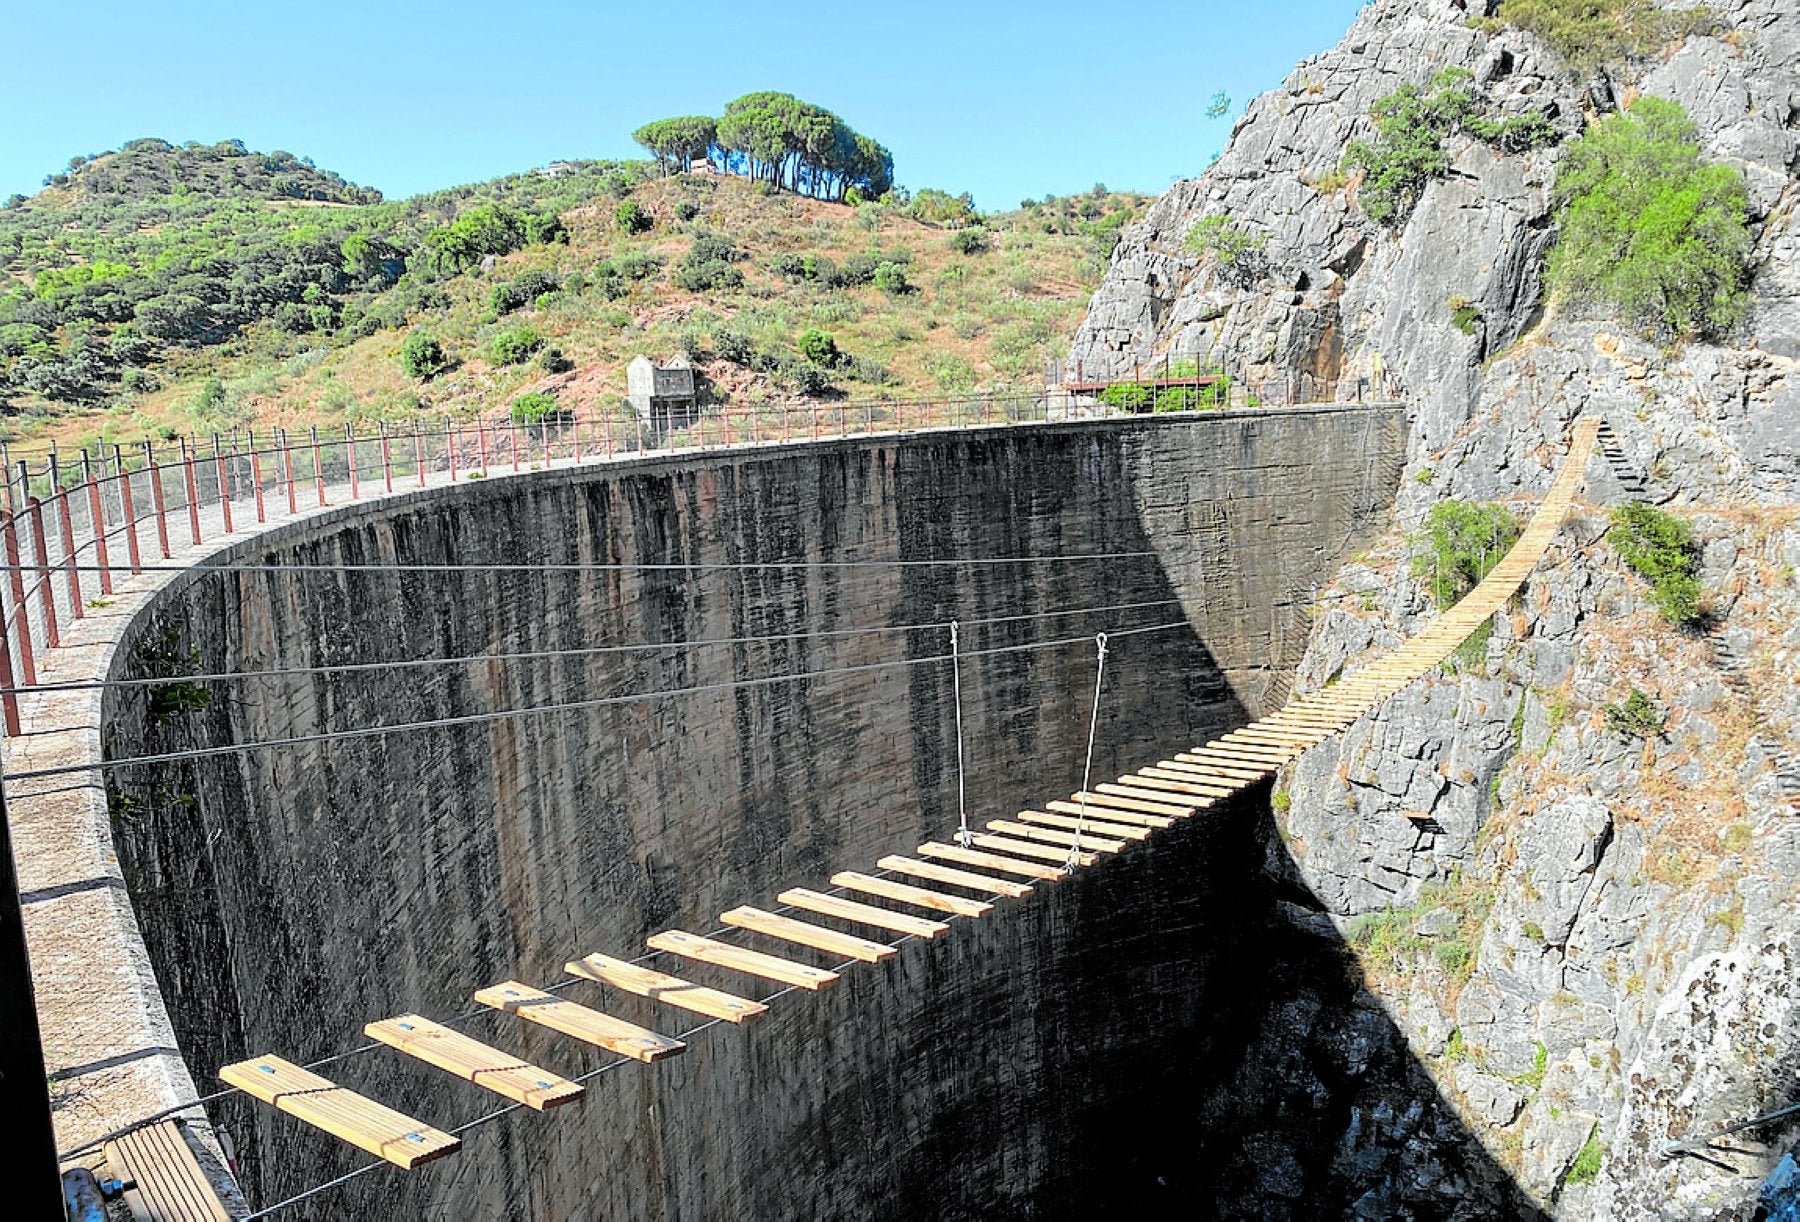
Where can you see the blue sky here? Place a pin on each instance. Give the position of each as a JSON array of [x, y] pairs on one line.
[[1005, 101]]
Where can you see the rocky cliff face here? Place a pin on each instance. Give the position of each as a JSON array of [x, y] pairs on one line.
[[1588, 938]]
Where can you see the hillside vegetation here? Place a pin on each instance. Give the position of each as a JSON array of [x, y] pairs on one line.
[[161, 289]]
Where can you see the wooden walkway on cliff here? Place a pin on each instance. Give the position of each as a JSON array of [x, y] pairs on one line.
[[923, 891]]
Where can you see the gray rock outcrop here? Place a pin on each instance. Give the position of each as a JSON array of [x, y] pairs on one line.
[[1588, 938]]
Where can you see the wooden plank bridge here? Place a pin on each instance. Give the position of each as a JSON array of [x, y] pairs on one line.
[[1006, 860]]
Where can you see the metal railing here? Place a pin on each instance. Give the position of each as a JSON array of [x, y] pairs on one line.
[[65, 519]]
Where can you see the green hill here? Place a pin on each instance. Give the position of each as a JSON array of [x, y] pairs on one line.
[[159, 289]]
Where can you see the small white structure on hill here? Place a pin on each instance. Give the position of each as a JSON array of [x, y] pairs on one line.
[[661, 395]]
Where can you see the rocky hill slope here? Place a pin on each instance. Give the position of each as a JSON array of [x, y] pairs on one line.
[[1581, 921], [165, 288]]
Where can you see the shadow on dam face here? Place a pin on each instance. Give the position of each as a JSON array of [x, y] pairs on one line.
[[1107, 1045]]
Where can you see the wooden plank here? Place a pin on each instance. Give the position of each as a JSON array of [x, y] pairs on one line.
[[168, 1182], [1245, 753], [1097, 815], [989, 861], [1111, 831], [805, 933], [473, 1061], [1089, 839], [906, 893], [1179, 768], [1134, 786], [660, 986], [579, 1022], [947, 874], [1168, 809], [863, 914], [738, 959], [1025, 848], [343, 1113]]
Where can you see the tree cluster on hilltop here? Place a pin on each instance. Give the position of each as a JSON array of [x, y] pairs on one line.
[[778, 139]]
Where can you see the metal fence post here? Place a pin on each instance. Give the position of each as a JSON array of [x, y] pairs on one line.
[[419, 448], [193, 489], [67, 520], [16, 575], [97, 519], [387, 460], [156, 497], [224, 482], [256, 475], [41, 551], [350, 459], [450, 441], [318, 467]]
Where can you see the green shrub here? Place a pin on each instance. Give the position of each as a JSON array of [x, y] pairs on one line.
[[819, 347], [631, 217], [973, 241], [1586, 1166], [1637, 717], [507, 296], [535, 408], [1239, 252], [732, 346], [552, 360], [1464, 314], [421, 356], [891, 278], [515, 346], [1649, 229], [1459, 542], [789, 267], [1588, 33], [687, 210], [1659, 547], [1410, 126], [714, 276]]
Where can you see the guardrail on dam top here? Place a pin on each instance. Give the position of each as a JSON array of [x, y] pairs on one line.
[[503, 840]]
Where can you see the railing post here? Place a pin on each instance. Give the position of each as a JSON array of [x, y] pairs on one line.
[[578, 441], [97, 519], [318, 467], [156, 497], [419, 446], [350, 459], [481, 442], [224, 482], [262, 514], [450, 441], [387, 460], [606, 422], [41, 550], [129, 506], [287, 473], [544, 431], [16, 575], [67, 520], [9, 703], [193, 489]]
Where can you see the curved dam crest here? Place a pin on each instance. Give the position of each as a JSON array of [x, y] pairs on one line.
[[288, 895]]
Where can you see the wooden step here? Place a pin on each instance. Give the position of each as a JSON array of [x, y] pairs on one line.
[[1152, 787], [1110, 831], [473, 1061], [862, 914], [1169, 809], [989, 861], [660, 986], [320, 1102], [749, 962], [588, 1026], [1096, 815], [804, 933], [1026, 848], [1092, 841], [1176, 770], [167, 1182], [947, 874], [906, 893]]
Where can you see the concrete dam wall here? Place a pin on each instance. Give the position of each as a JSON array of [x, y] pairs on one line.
[[1030, 1063]]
